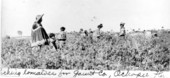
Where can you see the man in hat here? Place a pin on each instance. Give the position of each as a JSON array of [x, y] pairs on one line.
[[97, 33], [62, 37], [122, 33], [122, 30]]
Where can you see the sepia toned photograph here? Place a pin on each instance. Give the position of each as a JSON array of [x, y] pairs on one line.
[[86, 34]]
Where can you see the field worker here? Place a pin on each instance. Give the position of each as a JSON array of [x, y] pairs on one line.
[[122, 30], [53, 40], [39, 36], [90, 31], [121, 34], [62, 37], [90, 35], [81, 32], [97, 33], [86, 32]]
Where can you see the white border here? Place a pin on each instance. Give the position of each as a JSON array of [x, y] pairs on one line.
[[110, 73], [23, 73]]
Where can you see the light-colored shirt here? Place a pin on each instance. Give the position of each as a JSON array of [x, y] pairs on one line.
[[62, 35], [122, 31], [97, 33]]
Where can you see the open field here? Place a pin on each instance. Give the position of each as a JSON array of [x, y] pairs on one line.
[[109, 53]]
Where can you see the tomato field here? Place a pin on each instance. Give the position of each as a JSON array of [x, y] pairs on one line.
[[108, 53]]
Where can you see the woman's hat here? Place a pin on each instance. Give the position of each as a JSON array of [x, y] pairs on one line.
[[38, 17], [122, 23]]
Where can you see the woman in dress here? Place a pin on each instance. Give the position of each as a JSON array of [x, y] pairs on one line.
[[39, 36]]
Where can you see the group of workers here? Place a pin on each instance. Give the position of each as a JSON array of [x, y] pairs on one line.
[[39, 36]]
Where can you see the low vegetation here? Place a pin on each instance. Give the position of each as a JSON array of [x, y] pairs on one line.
[[108, 53]]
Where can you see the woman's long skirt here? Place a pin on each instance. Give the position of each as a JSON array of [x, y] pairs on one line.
[[39, 37]]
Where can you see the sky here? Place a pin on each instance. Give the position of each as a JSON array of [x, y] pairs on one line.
[[19, 15]]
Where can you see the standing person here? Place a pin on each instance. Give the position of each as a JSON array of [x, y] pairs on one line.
[[122, 30], [97, 33], [62, 37], [86, 32], [81, 33], [39, 36], [122, 33], [90, 31], [90, 35]]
